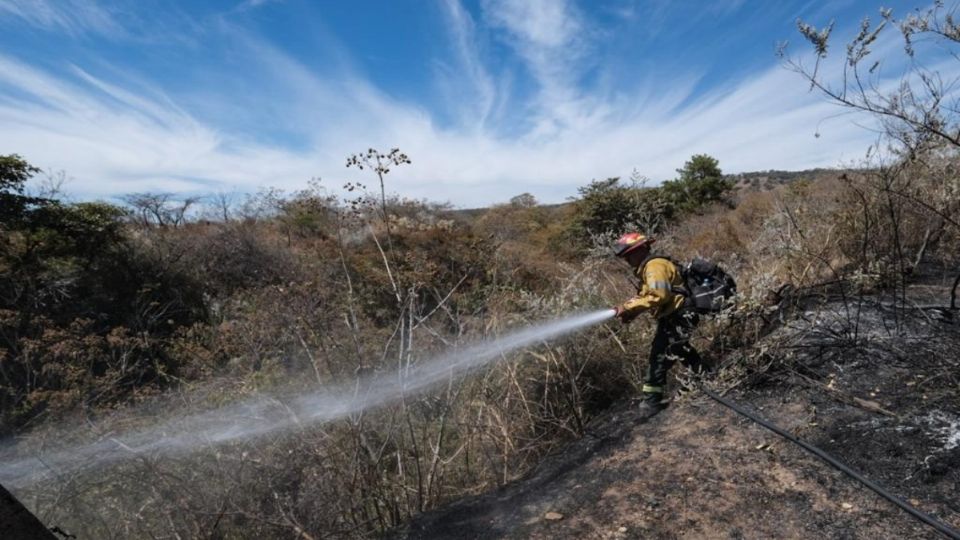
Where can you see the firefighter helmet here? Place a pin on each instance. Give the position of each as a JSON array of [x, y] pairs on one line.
[[629, 242]]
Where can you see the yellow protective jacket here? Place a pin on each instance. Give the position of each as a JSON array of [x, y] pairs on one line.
[[661, 291]]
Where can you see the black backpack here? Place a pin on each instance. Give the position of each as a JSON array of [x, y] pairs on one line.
[[708, 286]]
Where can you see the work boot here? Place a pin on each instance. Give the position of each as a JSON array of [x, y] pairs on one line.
[[651, 405]]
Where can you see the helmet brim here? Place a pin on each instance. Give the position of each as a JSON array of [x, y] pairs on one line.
[[630, 249], [626, 250]]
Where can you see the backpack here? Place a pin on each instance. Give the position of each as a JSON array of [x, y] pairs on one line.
[[710, 288]]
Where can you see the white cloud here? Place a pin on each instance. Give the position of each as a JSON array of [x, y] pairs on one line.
[[115, 137], [74, 17], [114, 141], [546, 24], [477, 98], [552, 37]]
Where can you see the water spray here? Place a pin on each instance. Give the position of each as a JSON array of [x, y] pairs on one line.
[[267, 415]]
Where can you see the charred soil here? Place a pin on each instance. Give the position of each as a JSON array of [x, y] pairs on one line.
[[873, 381]]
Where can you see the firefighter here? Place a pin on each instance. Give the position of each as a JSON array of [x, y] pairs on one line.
[[662, 293]]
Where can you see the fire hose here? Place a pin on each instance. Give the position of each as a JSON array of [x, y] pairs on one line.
[[940, 526]]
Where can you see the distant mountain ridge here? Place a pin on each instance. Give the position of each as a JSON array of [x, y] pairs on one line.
[[745, 181], [767, 180]]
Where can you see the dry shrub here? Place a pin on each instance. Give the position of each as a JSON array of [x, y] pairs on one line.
[[63, 368], [235, 256], [896, 217]]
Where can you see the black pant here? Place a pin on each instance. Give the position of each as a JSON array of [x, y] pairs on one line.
[[671, 341]]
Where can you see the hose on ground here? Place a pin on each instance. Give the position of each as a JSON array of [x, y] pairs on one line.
[[940, 526]]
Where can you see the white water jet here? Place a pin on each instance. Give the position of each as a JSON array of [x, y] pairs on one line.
[[262, 415]]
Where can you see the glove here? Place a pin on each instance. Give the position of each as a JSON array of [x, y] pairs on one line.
[[623, 315]]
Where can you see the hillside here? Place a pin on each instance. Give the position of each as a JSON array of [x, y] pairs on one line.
[[350, 357], [767, 180], [752, 181], [209, 378], [885, 404]]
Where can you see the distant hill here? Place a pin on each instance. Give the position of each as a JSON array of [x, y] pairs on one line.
[[767, 180], [746, 181]]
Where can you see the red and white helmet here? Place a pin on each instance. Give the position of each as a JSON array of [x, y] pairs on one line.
[[631, 241]]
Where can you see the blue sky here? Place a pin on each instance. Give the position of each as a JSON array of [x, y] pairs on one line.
[[490, 98]]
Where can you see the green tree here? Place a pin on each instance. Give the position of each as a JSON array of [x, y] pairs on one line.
[[701, 182], [44, 227], [84, 309], [524, 200], [608, 208], [699, 168], [62, 261], [14, 173]]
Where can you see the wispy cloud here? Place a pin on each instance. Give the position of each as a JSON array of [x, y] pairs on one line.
[[115, 134], [247, 5], [480, 88], [75, 17], [541, 24], [553, 38], [114, 141]]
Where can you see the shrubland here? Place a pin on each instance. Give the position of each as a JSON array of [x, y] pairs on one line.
[[312, 292], [118, 308]]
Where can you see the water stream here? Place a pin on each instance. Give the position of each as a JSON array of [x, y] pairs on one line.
[[264, 415]]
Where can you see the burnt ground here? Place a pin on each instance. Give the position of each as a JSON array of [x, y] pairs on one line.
[[876, 387]]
